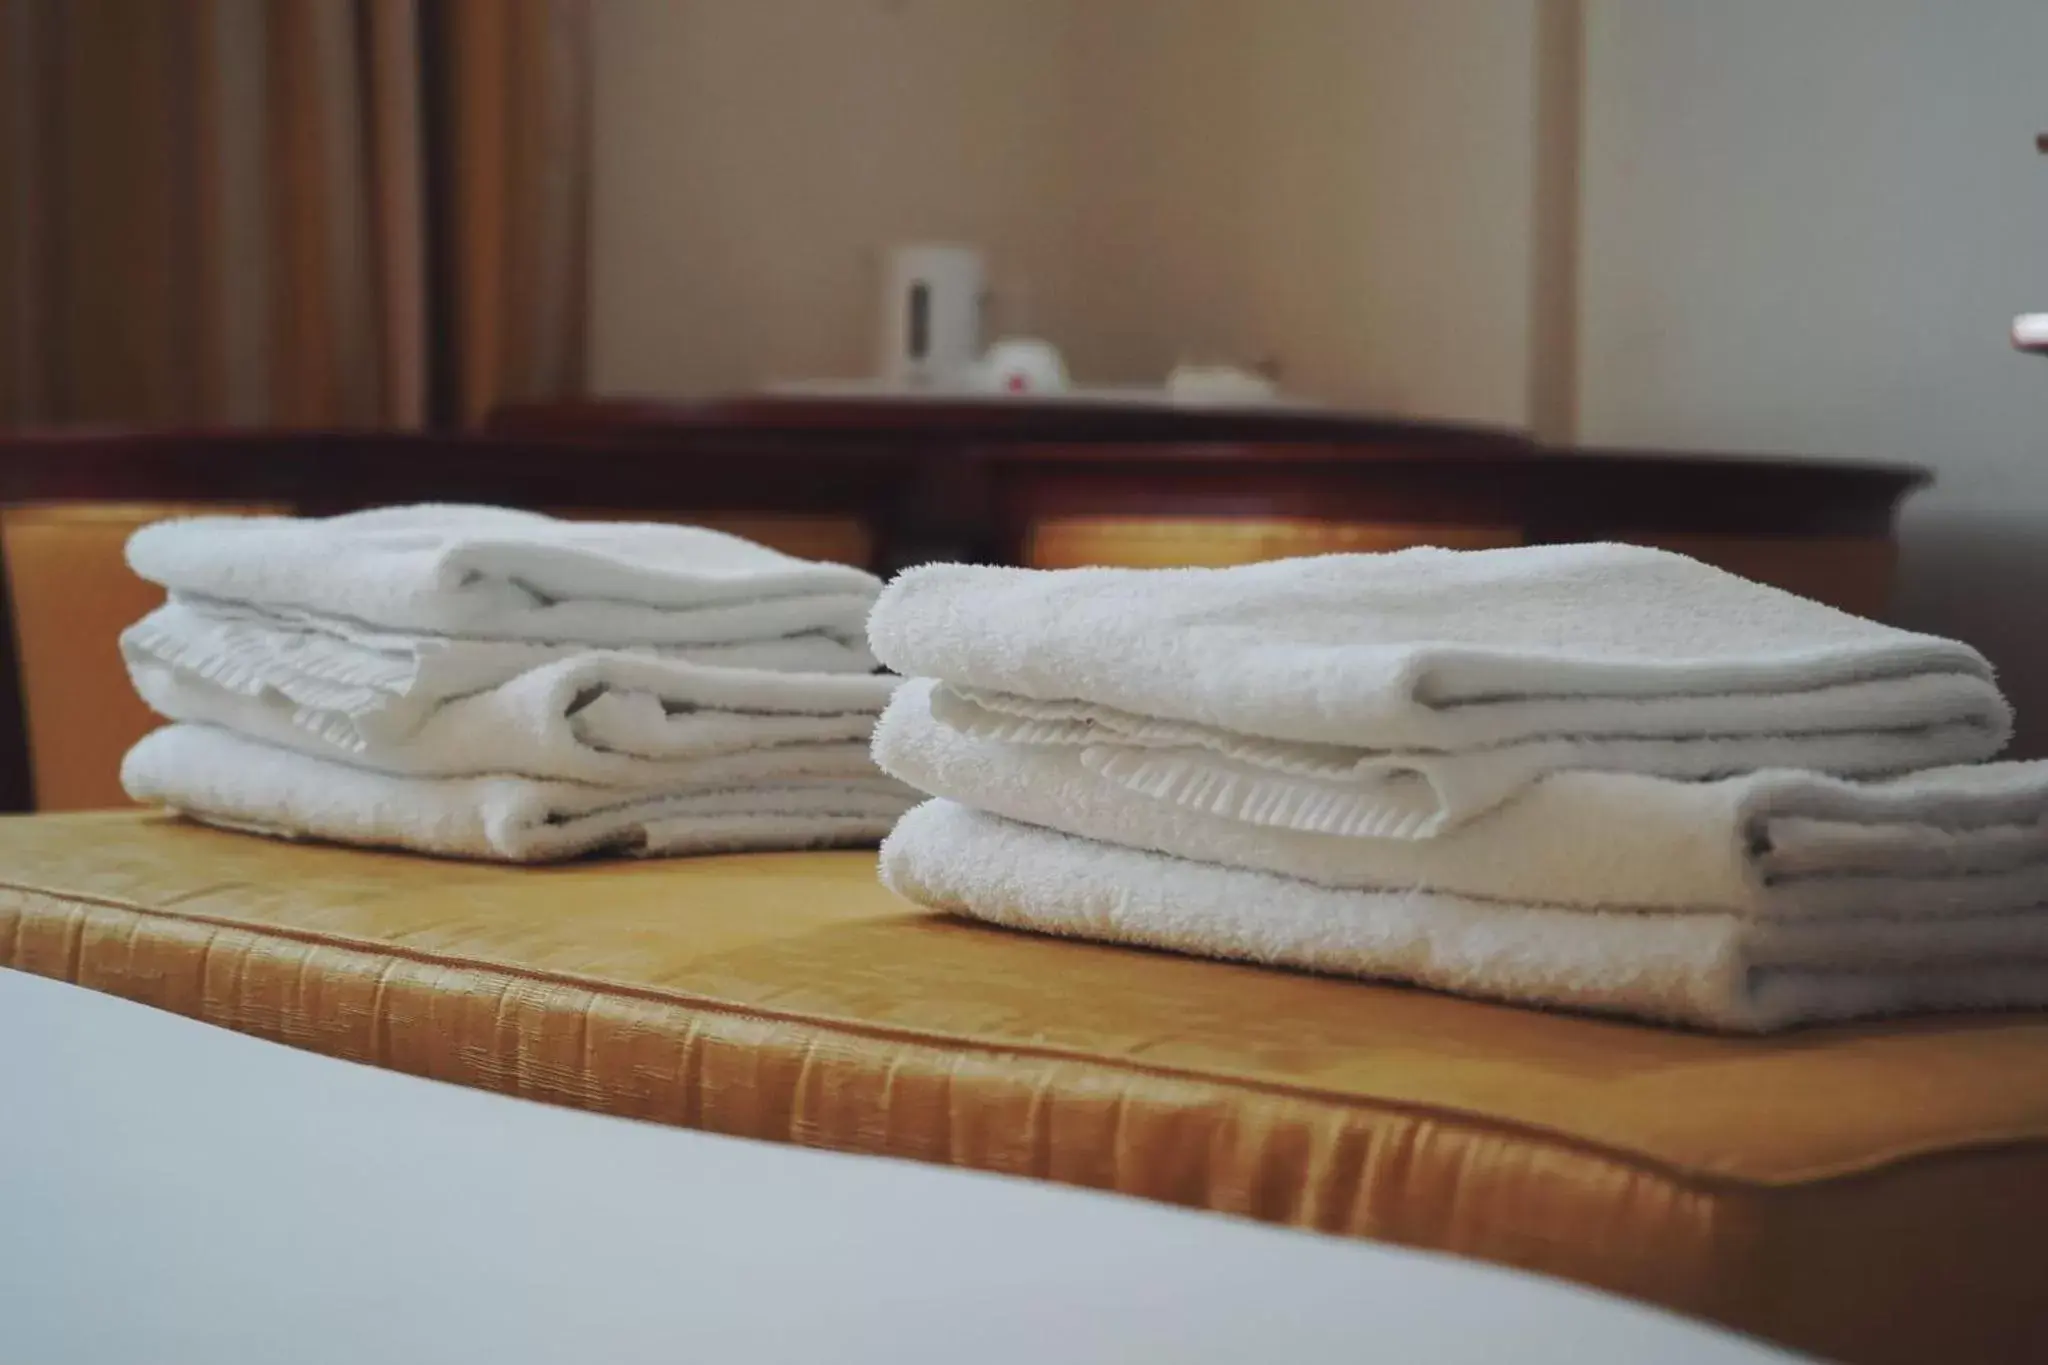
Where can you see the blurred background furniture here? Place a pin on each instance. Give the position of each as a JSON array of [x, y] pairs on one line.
[[1056, 483], [883, 483]]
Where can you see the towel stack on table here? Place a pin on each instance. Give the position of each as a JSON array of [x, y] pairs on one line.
[[1595, 776], [480, 682]]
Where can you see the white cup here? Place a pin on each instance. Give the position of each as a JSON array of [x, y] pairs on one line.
[[1022, 365]]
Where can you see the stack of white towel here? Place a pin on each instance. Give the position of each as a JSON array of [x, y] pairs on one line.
[[480, 682], [1595, 776]]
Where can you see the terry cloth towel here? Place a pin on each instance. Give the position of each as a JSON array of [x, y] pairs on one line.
[[225, 779], [363, 685], [498, 574], [361, 689], [1717, 971], [611, 719], [1772, 844], [1399, 695]]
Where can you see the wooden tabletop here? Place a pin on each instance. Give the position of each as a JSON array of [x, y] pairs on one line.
[[994, 418]]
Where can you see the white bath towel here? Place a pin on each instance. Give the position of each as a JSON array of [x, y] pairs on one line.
[[1963, 840], [361, 688], [1719, 971], [239, 783], [1399, 695], [611, 719], [495, 573]]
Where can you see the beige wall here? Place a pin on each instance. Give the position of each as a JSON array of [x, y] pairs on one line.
[[1391, 200], [1343, 186], [753, 155]]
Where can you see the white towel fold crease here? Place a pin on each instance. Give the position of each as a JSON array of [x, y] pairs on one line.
[[1715, 970], [758, 800], [1966, 840], [1400, 695]]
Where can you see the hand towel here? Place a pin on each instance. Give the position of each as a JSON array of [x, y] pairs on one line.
[[1399, 695], [1774, 843], [496, 573], [610, 719], [1714, 970], [225, 779]]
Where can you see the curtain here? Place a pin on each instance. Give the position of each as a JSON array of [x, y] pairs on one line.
[[290, 212]]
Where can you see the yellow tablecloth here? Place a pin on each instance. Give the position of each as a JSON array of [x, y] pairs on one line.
[[1875, 1193]]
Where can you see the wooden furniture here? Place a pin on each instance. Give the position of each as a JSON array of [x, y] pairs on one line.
[[952, 508], [1876, 1193], [1059, 483], [1824, 531], [886, 483]]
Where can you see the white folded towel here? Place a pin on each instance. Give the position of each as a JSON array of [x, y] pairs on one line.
[[358, 688], [1716, 970], [757, 800], [1399, 695], [606, 718], [495, 573], [369, 685], [1964, 840]]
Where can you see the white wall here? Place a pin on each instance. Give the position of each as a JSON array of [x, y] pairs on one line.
[[1805, 228], [1343, 186]]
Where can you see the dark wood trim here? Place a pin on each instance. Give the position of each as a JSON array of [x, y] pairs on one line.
[[994, 421], [1589, 490], [17, 778], [335, 471]]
